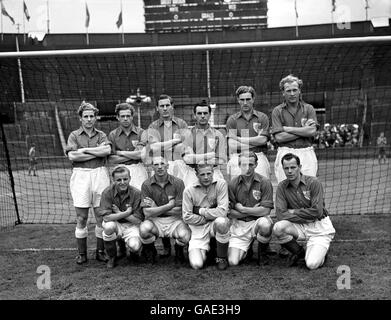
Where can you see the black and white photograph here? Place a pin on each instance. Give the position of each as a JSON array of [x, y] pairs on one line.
[[196, 158]]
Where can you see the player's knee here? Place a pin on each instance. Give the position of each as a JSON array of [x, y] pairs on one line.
[[81, 222], [313, 263], [222, 225], [279, 228], [134, 244], [265, 227], [146, 228], [196, 264], [109, 228], [183, 234], [233, 261]]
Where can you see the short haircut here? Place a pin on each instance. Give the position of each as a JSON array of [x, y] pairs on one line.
[[245, 89], [87, 106], [163, 97], [120, 169], [203, 103], [250, 154], [203, 165], [124, 106], [290, 79], [290, 156]]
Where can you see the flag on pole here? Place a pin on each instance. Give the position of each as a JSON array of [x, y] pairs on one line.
[[5, 13], [333, 5], [26, 12], [119, 20], [87, 16]]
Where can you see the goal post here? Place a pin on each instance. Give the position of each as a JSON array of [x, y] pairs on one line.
[[345, 79]]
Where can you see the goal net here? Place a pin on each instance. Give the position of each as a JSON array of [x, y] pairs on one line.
[[346, 80]]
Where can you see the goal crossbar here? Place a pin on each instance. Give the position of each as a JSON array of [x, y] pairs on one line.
[[194, 47]]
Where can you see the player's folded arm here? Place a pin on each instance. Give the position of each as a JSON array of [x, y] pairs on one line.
[[188, 216]]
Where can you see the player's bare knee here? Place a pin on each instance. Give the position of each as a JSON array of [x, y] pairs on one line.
[[146, 229], [279, 228], [109, 228], [312, 263], [233, 261], [196, 265], [265, 227], [183, 234], [81, 222], [222, 225], [134, 244]]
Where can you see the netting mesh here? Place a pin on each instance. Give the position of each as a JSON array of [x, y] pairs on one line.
[[348, 84]]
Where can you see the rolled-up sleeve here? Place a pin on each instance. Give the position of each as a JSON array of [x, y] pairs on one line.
[[106, 201], [277, 125], [267, 194], [179, 186], [187, 210], [71, 144], [136, 208]]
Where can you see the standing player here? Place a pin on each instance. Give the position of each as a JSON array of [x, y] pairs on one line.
[[120, 209], [88, 149], [294, 125], [247, 130], [161, 197], [128, 145], [205, 208], [204, 145], [381, 143], [301, 215], [166, 134], [251, 200], [165, 137], [32, 159]]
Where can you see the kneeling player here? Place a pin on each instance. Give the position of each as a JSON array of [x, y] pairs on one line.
[[162, 205], [301, 215], [120, 209], [205, 208], [251, 200]]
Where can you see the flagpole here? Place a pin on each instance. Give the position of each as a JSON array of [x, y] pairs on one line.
[[20, 69], [122, 26], [2, 34], [297, 27], [47, 14], [24, 29]]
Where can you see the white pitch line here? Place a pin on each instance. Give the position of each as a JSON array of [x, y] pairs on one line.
[[93, 249]]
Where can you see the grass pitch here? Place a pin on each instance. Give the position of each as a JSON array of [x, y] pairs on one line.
[[362, 243]]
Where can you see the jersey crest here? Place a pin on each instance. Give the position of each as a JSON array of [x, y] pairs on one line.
[[257, 195], [134, 143], [257, 127], [212, 143], [307, 194]]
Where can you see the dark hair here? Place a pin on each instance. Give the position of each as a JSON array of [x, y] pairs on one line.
[[245, 89], [290, 156], [164, 96], [119, 169], [124, 106], [250, 154], [203, 103], [201, 166], [84, 106]]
